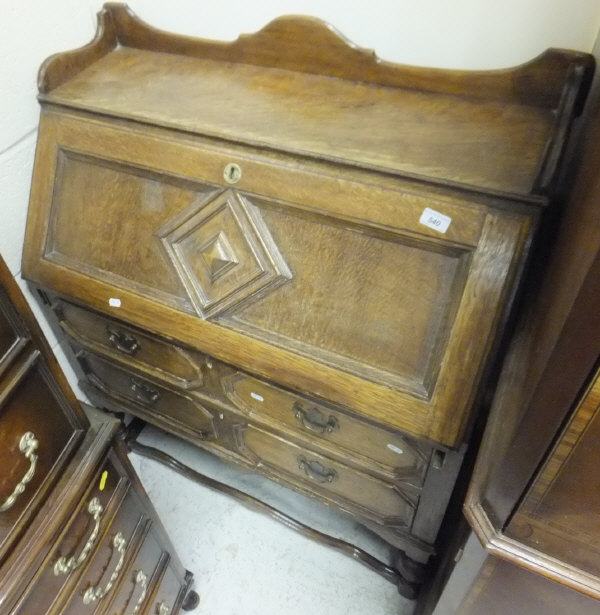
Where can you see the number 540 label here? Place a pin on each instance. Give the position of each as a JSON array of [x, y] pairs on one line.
[[435, 220]]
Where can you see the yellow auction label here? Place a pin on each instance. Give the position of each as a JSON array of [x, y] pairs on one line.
[[103, 480]]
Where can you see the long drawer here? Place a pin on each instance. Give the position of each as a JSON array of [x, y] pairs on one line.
[[347, 487]]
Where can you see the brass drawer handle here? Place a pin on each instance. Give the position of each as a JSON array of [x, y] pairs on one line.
[[144, 392], [141, 580], [123, 342], [162, 609], [93, 594], [64, 565], [27, 445], [314, 420], [316, 470]]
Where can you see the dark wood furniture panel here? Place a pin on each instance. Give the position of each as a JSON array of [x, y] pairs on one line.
[[38, 434], [560, 513], [533, 495], [503, 588], [304, 262], [77, 542], [66, 486]]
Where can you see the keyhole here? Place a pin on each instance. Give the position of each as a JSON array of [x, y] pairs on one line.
[[232, 173]]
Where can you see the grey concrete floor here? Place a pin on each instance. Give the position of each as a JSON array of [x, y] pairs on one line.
[[246, 563]]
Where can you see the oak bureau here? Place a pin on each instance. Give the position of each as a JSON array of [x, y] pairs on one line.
[[292, 253]]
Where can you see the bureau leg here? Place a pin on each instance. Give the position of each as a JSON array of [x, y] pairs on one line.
[[133, 429], [191, 601], [410, 569], [411, 574]]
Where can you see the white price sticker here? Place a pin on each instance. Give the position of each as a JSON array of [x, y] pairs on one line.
[[114, 302], [435, 220]]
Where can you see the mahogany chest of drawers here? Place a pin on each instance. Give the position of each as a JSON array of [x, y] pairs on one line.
[[77, 531], [292, 253]]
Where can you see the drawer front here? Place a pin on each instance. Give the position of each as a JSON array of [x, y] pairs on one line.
[[141, 577], [111, 559], [38, 433], [375, 499], [400, 457], [169, 595], [13, 335], [147, 399], [77, 544], [131, 345]]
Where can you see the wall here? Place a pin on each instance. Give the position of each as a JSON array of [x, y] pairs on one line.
[[457, 34]]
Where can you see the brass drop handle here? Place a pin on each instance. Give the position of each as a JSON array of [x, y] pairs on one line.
[[162, 609], [141, 585], [144, 392], [64, 565], [93, 594], [123, 342], [27, 445], [316, 470], [314, 420]]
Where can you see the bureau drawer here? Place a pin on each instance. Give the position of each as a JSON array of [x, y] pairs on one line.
[[400, 457], [130, 345], [78, 541], [38, 433], [383, 502], [110, 560], [151, 401]]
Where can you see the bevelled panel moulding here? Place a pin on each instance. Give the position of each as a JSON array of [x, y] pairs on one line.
[[223, 253]]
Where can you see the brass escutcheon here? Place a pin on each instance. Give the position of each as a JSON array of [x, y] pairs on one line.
[[232, 173]]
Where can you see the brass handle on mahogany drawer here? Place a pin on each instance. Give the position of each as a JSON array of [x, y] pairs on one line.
[[314, 420], [316, 470], [64, 565], [144, 392], [93, 594], [123, 342], [141, 580], [27, 445]]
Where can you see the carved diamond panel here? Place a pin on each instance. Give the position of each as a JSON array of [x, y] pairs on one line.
[[224, 253]]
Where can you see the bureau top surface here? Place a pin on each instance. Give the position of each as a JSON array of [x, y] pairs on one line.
[[297, 86]]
